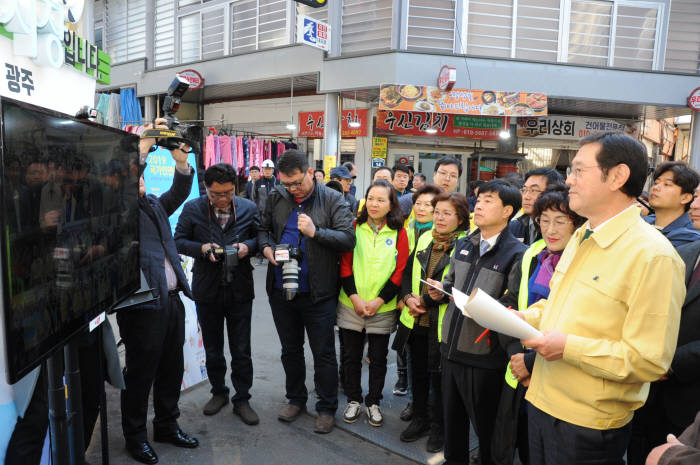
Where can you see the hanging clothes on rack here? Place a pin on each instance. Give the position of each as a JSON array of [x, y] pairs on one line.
[[209, 153], [242, 162], [225, 149], [217, 150]]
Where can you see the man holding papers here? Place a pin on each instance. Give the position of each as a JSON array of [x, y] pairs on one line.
[[610, 323], [473, 359]]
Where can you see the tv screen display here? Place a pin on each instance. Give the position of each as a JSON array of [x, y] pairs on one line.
[[69, 227]]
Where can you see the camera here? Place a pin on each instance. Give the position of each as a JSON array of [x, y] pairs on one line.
[[228, 256], [289, 256], [170, 138]]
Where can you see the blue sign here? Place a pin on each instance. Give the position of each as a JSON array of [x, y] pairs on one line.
[[377, 162], [159, 177], [313, 32]]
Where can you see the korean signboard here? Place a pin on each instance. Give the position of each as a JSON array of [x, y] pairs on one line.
[[461, 101], [379, 147], [415, 123], [567, 127], [313, 32], [311, 123]]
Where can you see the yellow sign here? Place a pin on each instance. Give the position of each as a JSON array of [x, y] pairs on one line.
[[329, 162], [379, 147]]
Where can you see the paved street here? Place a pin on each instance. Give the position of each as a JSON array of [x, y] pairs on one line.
[[224, 439]]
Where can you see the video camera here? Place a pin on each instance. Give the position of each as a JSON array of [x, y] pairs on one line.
[[228, 256], [176, 133]]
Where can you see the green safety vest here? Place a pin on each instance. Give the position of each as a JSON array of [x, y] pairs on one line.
[[373, 263], [528, 256], [406, 318]]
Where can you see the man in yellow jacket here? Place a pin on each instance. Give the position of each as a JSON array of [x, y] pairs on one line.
[[611, 321]]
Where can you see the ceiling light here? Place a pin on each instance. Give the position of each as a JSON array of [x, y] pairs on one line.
[[291, 126], [504, 134], [431, 131], [354, 124]]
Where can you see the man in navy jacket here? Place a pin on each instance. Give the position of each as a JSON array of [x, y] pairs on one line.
[[213, 221], [154, 332]]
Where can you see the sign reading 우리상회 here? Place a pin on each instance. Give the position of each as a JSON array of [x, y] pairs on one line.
[[694, 100], [313, 32]]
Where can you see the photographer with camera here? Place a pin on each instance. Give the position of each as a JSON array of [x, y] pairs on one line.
[[305, 228], [219, 231], [154, 332]]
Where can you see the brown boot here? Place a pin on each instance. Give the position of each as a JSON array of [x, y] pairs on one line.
[[215, 404], [290, 412], [324, 423]]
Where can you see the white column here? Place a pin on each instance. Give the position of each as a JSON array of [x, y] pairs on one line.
[[331, 139], [363, 156], [694, 151]]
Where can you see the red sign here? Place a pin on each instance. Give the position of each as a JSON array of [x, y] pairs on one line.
[[311, 123], [193, 77], [447, 78], [415, 123], [694, 100]]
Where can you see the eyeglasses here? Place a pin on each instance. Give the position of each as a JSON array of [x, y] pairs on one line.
[[577, 172], [293, 185], [558, 223], [447, 175], [444, 214], [220, 195], [530, 190]]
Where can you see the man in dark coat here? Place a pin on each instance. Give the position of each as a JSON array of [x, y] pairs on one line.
[[222, 282], [154, 332], [536, 181]]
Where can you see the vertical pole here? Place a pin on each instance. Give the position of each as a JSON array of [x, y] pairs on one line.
[[58, 425], [74, 402], [694, 149], [331, 138]]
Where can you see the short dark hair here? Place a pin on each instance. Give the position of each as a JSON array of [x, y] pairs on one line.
[[620, 149], [253, 168], [553, 176], [320, 171], [508, 193], [402, 168], [221, 173], [449, 161], [420, 175], [556, 197], [335, 185], [683, 176], [477, 184], [427, 189], [514, 178], [459, 203], [394, 219], [292, 160], [391, 172], [411, 169]]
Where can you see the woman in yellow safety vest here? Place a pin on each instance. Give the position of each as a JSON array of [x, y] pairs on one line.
[[371, 279], [557, 223], [421, 317], [422, 213]]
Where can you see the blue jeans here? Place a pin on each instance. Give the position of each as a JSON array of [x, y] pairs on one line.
[[291, 319]]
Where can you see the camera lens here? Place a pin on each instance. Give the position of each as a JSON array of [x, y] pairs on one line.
[[290, 278]]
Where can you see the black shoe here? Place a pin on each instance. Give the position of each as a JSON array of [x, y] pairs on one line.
[[436, 439], [418, 428], [401, 386], [177, 438], [141, 452], [247, 414], [407, 413]]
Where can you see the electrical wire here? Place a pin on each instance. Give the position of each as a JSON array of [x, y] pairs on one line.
[[463, 48]]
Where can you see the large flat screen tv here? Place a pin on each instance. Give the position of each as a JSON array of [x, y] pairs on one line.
[[69, 227]]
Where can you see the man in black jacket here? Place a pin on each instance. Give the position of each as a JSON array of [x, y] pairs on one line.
[[307, 215], [207, 230], [474, 361], [536, 182], [674, 399], [154, 332]]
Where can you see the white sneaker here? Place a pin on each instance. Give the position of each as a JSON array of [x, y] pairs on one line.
[[375, 415], [352, 412]]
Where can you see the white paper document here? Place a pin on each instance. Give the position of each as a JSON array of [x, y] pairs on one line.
[[491, 314]]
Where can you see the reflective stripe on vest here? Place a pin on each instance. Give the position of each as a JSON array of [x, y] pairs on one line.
[[373, 263], [528, 256]]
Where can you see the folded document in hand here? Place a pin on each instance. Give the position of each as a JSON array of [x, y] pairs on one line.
[[491, 314]]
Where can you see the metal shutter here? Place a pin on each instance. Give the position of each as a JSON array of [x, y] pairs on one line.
[[213, 33], [431, 25], [366, 25], [164, 46], [683, 41], [537, 30], [490, 28]]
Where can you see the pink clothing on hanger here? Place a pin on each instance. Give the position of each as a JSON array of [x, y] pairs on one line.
[[217, 150], [239, 152], [225, 143], [209, 151]]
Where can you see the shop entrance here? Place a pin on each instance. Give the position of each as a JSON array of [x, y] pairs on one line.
[[423, 160]]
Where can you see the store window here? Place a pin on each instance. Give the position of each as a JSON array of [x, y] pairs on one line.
[[258, 24], [431, 25], [126, 29], [366, 25], [190, 40]]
